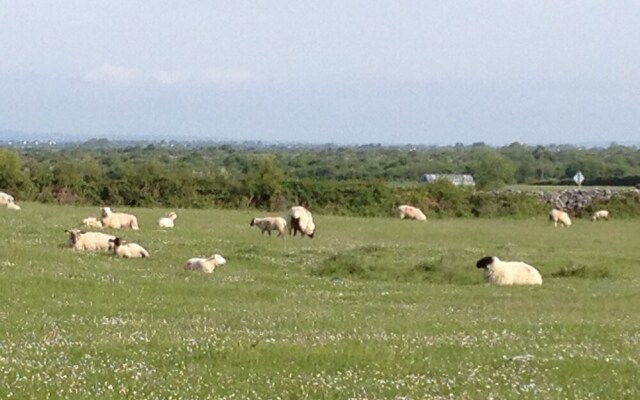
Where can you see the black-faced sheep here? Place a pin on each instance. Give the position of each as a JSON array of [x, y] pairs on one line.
[[118, 220], [558, 216], [121, 248], [207, 265], [269, 224], [508, 272], [89, 241], [410, 212], [167, 220], [301, 220]]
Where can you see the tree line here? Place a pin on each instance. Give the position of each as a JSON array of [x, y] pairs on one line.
[[343, 180]]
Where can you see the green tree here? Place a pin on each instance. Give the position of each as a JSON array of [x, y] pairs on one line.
[[492, 171]]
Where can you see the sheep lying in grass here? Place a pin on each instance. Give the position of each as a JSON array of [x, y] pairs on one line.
[[118, 220], [269, 224], [207, 265], [13, 206], [410, 212], [89, 241], [167, 220], [509, 272], [602, 214], [301, 220], [92, 222], [558, 216], [121, 248], [5, 199]]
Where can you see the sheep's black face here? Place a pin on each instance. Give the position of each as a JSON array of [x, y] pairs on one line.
[[117, 241], [484, 262], [252, 222]]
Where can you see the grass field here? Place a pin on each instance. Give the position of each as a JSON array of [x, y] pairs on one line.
[[370, 309]]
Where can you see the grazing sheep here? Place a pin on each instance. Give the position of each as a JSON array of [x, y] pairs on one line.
[[509, 272], [269, 224], [89, 241], [301, 220], [5, 199], [410, 212], [167, 221], [602, 214], [204, 264], [13, 206], [121, 248], [118, 220], [560, 216], [92, 222]]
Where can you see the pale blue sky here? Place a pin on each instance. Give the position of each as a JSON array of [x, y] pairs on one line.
[[428, 72]]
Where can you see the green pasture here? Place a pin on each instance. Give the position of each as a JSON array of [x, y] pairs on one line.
[[372, 308]]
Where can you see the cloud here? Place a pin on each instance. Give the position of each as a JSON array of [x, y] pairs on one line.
[[112, 74], [170, 77], [226, 76], [121, 75]]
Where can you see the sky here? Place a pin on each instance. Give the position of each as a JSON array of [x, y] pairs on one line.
[[339, 71]]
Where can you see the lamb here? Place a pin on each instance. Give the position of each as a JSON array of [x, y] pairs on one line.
[[92, 222], [121, 248], [509, 272], [560, 216], [110, 219], [205, 264], [269, 224], [5, 199], [13, 206], [301, 220], [410, 212], [602, 214], [89, 241], [167, 221]]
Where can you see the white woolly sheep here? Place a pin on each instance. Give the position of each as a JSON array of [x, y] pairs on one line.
[[167, 220], [601, 214], [269, 224], [410, 212], [89, 241], [117, 220], [5, 199], [13, 206], [205, 264], [92, 222], [509, 272], [121, 248], [560, 216], [301, 220]]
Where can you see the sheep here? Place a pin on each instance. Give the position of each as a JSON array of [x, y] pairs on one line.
[[167, 220], [92, 222], [89, 241], [508, 272], [269, 224], [121, 248], [602, 214], [13, 206], [560, 216], [410, 212], [5, 199], [205, 264], [118, 220], [301, 220]]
